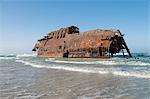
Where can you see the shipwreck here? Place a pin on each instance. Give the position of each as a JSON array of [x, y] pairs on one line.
[[69, 42]]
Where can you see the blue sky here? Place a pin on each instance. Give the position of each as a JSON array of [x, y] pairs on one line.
[[22, 22]]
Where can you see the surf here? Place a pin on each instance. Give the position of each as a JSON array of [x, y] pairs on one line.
[[116, 71], [102, 62]]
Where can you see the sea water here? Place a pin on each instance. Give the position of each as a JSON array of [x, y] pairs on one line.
[[28, 77]]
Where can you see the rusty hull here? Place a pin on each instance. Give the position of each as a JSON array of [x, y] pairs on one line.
[[69, 42]]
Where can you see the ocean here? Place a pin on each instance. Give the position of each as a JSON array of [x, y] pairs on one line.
[[25, 76]]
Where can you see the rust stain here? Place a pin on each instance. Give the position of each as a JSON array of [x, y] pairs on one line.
[[69, 42]]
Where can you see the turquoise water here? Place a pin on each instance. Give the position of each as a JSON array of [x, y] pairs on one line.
[[26, 76]]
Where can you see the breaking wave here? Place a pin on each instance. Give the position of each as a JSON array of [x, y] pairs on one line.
[[102, 62], [26, 55], [116, 66], [6, 57], [15, 56], [112, 70]]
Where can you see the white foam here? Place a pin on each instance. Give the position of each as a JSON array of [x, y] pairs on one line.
[[6, 58], [121, 54], [114, 71], [103, 62], [131, 74], [26, 55], [50, 59], [31, 64]]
